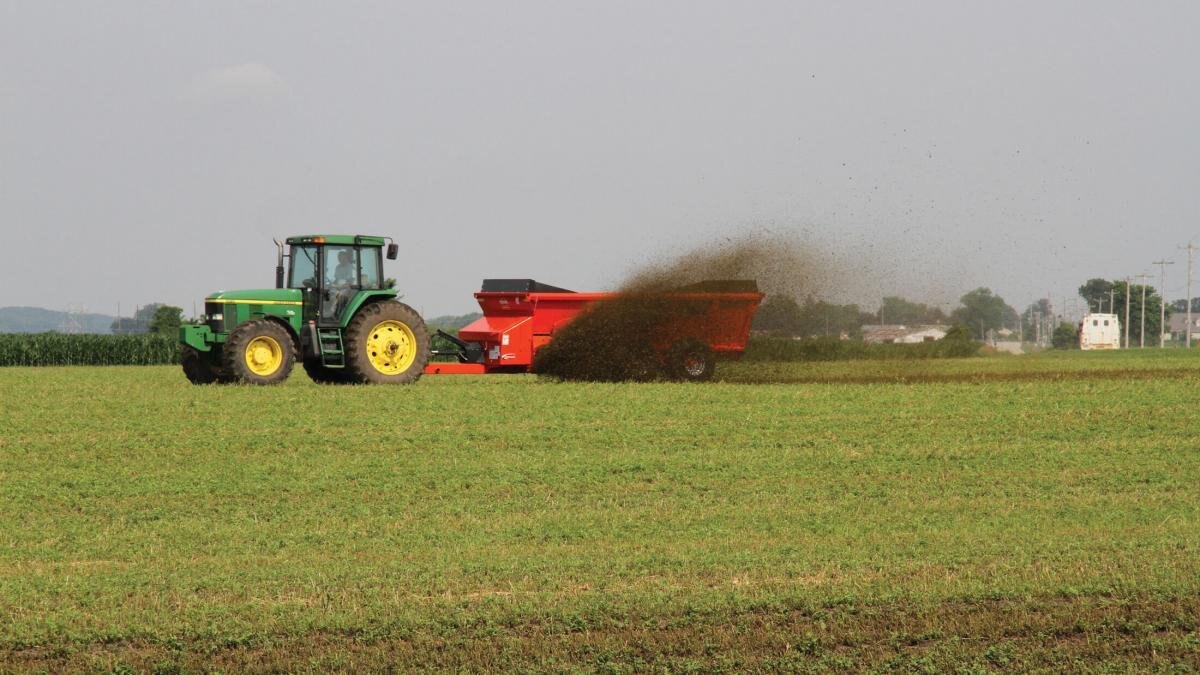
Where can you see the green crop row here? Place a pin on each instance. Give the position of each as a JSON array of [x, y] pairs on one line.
[[59, 349]]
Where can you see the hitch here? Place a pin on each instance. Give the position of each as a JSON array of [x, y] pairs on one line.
[[467, 352]]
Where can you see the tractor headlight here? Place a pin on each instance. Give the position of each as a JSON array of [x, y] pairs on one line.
[[216, 322]]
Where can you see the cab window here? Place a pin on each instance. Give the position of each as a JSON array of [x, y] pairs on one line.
[[369, 277], [303, 267]]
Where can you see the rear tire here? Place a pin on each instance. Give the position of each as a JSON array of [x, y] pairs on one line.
[[259, 352], [197, 368], [386, 343], [691, 361]]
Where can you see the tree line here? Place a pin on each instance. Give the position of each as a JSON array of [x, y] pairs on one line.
[[980, 312]]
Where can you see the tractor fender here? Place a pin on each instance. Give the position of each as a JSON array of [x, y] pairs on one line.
[[287, 326], [365, 298]]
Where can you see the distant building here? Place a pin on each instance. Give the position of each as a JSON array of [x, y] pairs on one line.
[[895, 333], [1100, 331], [1178, 322], [1009, 346]]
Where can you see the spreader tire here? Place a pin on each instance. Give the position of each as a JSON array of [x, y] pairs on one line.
[[323, 375], [691, 361], [196, 367], [259, 352], [386, 343]]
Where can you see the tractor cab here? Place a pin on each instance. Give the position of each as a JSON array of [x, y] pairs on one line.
[[331, 272]]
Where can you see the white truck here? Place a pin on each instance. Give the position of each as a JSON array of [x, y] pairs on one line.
[[1100, 331]]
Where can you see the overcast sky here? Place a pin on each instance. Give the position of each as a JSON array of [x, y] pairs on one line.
[[150, 151]]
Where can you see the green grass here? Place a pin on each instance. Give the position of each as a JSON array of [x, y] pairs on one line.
[[980, 514], [1038, 367]]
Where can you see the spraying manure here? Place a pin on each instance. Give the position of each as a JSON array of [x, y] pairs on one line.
[[640, 333]]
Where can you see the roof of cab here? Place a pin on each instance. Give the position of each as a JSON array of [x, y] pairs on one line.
[[342, 239]]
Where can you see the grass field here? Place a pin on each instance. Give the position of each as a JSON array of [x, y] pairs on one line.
[[998, 513]]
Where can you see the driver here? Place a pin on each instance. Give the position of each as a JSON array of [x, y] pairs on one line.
[[343, 274], [342, 287]]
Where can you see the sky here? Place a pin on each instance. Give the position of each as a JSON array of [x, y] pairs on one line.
[[149, 152]]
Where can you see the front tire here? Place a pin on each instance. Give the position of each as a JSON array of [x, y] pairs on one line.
[[386, 343], [197, 368], [259, 352]]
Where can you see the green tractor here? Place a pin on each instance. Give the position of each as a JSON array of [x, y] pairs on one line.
[[333, 314]]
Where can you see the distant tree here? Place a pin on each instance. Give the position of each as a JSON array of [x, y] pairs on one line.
[[139, 323], [1096, 293], [1180, 306], [782, 315], [778, 314], [166, 320], [958, 332], [818, 317], [450, 323], [1153, 306], [897, 310], [982, 311], [1066, 336]]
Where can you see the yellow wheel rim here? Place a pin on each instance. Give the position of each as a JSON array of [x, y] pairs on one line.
[[391, 347], [264, 356]]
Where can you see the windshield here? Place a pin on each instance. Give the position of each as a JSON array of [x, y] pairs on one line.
[[304, 267], [341, 266]]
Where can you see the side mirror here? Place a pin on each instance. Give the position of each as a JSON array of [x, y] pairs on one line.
[[393, 250]]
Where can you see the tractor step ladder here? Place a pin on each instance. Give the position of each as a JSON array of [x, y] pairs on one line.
[[333, 354]]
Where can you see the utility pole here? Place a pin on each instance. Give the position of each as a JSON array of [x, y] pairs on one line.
[[1051, 324], [1127, 312], [1162, 299], [1187, 332], [1142, 331], [1112, 301]]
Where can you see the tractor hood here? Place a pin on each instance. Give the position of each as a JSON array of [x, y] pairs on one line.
[[263, 296]]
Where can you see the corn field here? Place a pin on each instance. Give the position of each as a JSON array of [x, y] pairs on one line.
[[58, 349]]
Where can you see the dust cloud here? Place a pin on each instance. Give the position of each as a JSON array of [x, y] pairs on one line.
[[613, 340]]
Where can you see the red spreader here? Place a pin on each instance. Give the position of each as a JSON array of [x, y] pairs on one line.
[[520, 316]]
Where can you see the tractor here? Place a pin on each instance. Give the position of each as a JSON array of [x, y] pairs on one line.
[[330, 309]]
